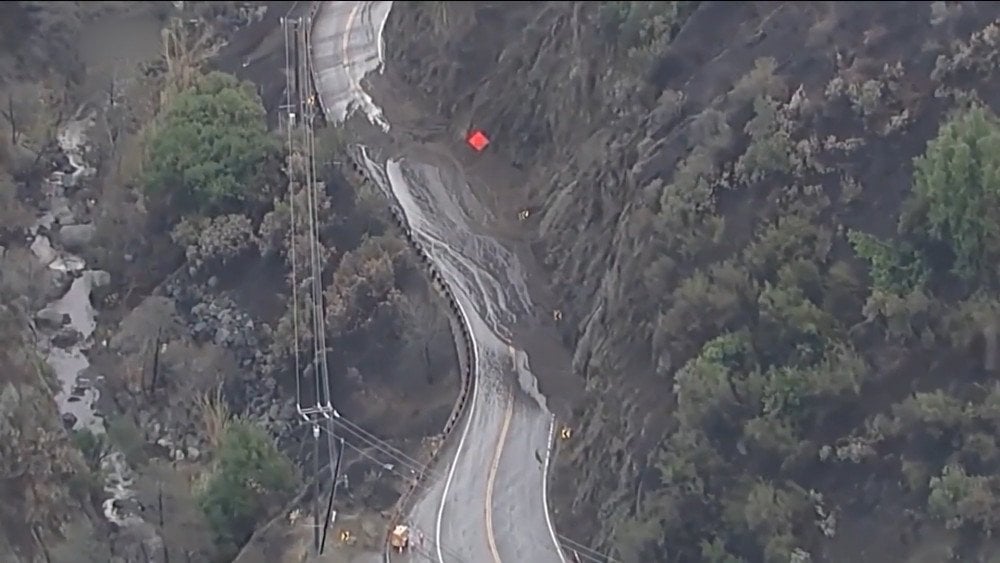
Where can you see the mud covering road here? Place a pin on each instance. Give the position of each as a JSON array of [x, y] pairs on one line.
[[489, 500]]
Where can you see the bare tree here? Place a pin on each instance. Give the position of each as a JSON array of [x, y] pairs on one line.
[[20, 110]]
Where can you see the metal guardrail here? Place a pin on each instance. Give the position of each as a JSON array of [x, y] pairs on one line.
[[466, 360]]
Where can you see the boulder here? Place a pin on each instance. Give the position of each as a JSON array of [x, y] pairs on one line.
[[51, 318], [76, 237], [42, 249], [66, 337], [68, 420], [99, 278]]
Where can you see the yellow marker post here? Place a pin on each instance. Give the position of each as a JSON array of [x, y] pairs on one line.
[[557, 315], [523, 215], [565, 433], [345, 536]]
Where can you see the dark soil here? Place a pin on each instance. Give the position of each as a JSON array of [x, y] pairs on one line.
[[522, 76], [394, 401]]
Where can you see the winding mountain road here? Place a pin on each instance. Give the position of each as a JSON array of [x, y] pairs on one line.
[[490, 504]]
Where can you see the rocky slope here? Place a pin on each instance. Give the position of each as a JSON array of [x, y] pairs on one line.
[[679, 156], [46, 485]]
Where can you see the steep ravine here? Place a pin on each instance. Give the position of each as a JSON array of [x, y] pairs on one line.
[[67, 324], [62, 330]]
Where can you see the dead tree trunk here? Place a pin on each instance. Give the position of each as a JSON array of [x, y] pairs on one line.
[[11, 116]]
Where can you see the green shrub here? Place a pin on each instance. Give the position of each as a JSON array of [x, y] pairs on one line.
[[957, 185], [250, 472], [960, 499], [210, 150], [94, 447], [895, 268], [642, 29]]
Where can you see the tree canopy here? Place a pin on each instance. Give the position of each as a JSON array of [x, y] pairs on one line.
[[210, 150], [957, 182], [249, 469], [896, 268]]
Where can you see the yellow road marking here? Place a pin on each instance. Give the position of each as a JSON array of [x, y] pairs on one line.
[[493, 474]]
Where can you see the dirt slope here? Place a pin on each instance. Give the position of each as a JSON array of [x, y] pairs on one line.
[[684, 161]]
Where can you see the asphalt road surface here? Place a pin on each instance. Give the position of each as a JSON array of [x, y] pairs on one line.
[[342, 58], [488, 502]]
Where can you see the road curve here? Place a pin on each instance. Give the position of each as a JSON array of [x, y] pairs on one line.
[[491, 482], [491, 502]]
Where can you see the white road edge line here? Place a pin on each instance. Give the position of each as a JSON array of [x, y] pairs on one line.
[[381, 41], [545, 490], [345, 45], [474, 363]]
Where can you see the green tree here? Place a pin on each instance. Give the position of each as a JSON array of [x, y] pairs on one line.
[[211, 148], [895, 268], [250, 472], [957, 186], [94, 447], [770, 513], [961, 499], [708, 387], [642, 28]]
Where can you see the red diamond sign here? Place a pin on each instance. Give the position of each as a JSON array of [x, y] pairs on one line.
[[478, 140]]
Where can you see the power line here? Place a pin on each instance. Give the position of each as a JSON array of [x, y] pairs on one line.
[[585, 552], [333, 486], [300, 115], [427, 543], [358, 429], [322, 405]]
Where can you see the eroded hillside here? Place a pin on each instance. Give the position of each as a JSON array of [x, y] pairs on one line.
[[786, 327]]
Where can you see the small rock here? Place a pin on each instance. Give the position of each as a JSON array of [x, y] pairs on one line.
[[69, 180], [193, 453], [65, 338], [51, 318], [61, 280], [42, 249], [67, 264], [99, 278], [128, 258], [178, 455], [213, 281], [144, 420], [221, 337], [75, 237], [64, 215], [68, 420]]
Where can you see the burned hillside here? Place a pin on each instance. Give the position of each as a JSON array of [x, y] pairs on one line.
[[769, 228]]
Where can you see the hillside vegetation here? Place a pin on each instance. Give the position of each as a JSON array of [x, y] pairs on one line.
[[773, 231]]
